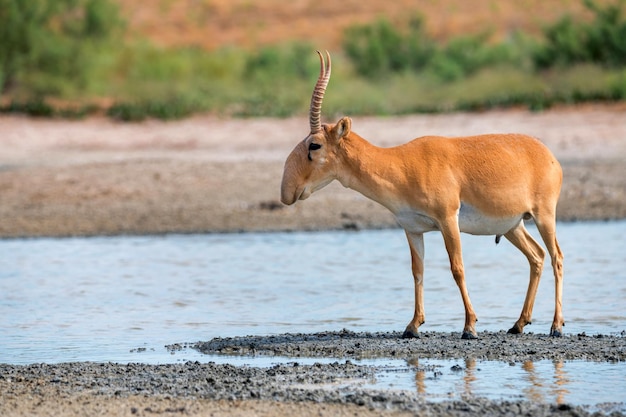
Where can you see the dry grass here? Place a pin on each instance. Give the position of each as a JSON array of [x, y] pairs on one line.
[[245, 23]]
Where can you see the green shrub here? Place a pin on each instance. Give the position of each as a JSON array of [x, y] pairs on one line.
[[602, 41], [379, 48], [292, 61], [606, 37], [35, 107], [565, 44], [174, 108], [59, 40], [38, 107]]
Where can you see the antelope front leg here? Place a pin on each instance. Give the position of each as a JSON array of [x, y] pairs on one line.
[[452, 239], [416, 244]]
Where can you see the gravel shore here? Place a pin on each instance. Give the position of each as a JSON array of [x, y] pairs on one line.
[[498, 346], [319, 389], [194, 388]]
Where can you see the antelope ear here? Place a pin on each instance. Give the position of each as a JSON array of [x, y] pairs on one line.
[[342, 128]]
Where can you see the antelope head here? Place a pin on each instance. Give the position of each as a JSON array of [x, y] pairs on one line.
[[314, 161]]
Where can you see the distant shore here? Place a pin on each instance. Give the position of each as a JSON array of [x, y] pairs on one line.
[[205, 174]]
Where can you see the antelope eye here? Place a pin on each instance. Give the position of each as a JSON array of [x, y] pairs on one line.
[[313, 147]]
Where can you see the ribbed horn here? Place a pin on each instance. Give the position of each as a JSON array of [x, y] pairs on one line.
[[318, 93]]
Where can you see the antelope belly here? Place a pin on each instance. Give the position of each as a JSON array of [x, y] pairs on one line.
[[474, 222], [415, 221]]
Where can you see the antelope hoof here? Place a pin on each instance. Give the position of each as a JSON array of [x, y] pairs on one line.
[[469, 335], [409, 334], [516, 330], [556, 333]]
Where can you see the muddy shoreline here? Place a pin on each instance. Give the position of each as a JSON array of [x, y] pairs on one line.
[[194, 388], [498, 346], [323, 388]]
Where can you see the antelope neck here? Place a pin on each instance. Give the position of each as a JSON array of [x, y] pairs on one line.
[[369, 169]]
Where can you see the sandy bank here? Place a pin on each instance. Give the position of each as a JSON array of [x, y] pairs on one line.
[[204, 174]]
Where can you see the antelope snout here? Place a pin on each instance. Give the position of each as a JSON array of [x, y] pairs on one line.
[[287, 199], [288, 192]]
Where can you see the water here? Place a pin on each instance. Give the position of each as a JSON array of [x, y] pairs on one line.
[[544, 381], [122, 299]]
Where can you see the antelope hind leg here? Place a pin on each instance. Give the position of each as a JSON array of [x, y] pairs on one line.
[[522, 240], [548, 234]]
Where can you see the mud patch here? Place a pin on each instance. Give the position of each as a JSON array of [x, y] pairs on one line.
[[498, 346]]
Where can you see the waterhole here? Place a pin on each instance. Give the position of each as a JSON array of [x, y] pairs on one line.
[[122, 299]]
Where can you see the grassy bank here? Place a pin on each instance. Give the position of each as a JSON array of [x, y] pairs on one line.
[[90, 64]]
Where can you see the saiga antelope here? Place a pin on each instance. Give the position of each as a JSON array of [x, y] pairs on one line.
[[482, 185]]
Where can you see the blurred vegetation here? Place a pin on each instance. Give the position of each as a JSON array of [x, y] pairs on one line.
[[602, 41], [56, 47], [379, 49], [63, 57]]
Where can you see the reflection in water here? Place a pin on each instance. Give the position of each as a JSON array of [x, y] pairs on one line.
[[561, 381], [540, 386], [543, 381], [464, 386], [534, 392], [420, 375], [470, 375]]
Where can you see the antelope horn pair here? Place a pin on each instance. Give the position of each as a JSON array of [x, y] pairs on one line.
[[318, 93]]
